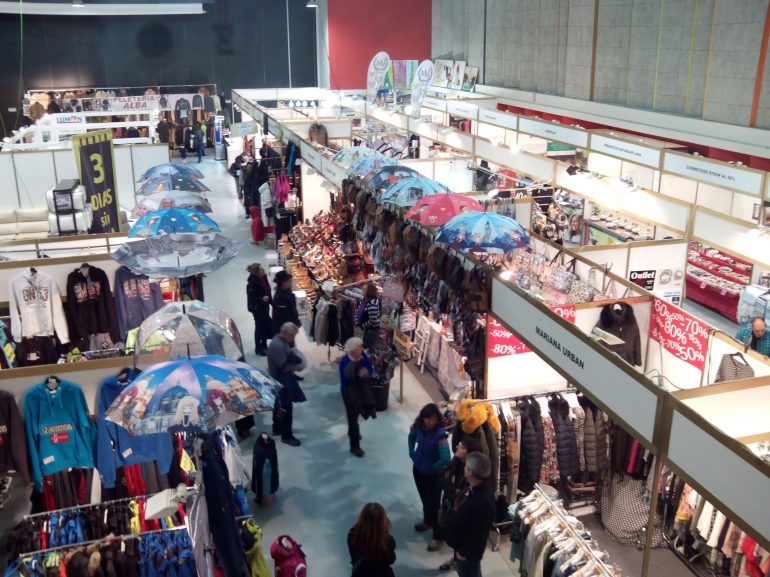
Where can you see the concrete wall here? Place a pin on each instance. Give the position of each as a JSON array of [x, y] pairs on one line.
[[693, 57]]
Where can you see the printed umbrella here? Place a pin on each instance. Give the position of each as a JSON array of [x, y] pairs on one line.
[[190, 328], [172, 220], [178, 254], [483, 231], [171, 169], [353, 154], [409, 190], [171, 199], [370, 164], [191, 395], [165, 183], [436, 210], [388, 175]]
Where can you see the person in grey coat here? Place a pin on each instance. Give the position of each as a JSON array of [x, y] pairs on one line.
[[283, 360]]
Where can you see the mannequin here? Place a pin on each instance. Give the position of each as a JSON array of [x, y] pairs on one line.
[[619, 320]]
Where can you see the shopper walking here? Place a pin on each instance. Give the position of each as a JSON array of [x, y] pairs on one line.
[[372, 547], [471, 517], [283, 360], [354, 353], [368, 315], [200, 143], [284, 302], [429, 451], [258, 301]]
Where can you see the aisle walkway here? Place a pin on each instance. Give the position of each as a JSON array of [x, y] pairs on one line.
[[322, 485]]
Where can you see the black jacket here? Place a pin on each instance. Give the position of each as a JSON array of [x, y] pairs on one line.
[[264, 454], [13, 440], [359, 391], [618, 319], [284, 309], [368, 568], [470, 520], [90, 305], [566, 443], [532, 444], [255, 292]]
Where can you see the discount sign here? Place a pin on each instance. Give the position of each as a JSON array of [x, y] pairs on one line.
[[502, 342], [683, 336]]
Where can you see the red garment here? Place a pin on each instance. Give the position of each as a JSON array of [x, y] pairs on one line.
[[753, 557], [135, 480], [257, 228], [84, 494], [631, 466], [44, 537], [49, 501]]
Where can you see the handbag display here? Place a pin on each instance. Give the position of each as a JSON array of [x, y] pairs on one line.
[[733, 367], [561, 278], [583, 291]]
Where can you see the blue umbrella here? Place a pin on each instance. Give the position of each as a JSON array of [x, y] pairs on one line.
[[171, 169], [408, 191], [169, 220], [385, 176], [483, 231], [167, 182], [191, 395], [353, 154], [370, 164]]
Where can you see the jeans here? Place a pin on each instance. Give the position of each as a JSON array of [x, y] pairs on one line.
[[262, 327], [354, 433], [429, 488], [283, 424], [370, 337], [201, 151], [468, 567]]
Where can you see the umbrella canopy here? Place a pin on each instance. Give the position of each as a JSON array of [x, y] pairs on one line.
[[483, 231], [409, 190], [190, 328], [165, 183], [171, 199], [353, 154], [169, 220], [179, 254], [191, 395], [436, 210], [370, 164], [171, 169], [388, 176]]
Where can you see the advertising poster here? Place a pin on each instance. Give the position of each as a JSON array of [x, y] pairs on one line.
[[643, 278], [679, 334], [420, 85], [443, 73], [378, 68], [470, 77], [503, 343], [93, 154]]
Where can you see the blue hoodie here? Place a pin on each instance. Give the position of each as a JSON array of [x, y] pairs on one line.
[[116, 447], [60, 432]]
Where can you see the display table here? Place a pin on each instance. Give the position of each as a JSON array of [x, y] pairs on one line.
[[443, 360], [725, 303]]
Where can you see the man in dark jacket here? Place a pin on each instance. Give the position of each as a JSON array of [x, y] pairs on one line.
[[470, 520], [282, 361]]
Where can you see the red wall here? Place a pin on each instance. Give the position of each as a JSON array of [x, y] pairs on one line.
[[358, 29]]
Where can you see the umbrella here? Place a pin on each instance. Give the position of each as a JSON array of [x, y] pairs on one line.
[[171, 169], [390, 144], [164, 183], [409, 190], [483, 231], [436, 210], [172, 220], [171, 199], [353, 154], [190, 328], [370, 164], [388, 175], [191, 395], [178, 254]]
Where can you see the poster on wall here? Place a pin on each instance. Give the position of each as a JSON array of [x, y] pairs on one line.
[[679, 334], [458, 74], [443, 73], [470, 77], [643, 278], [502, 343], [420, 85], [378, 68], [93, 155], [404, 72]]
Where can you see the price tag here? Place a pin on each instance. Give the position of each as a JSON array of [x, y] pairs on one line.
[[703, 285]]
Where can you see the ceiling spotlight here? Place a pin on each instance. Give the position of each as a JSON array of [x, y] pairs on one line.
[[78, 4], [572, 170], [311, 4]]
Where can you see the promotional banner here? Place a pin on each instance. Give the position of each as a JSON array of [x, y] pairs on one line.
[[502, 343], [420, 85], [679, 334], [93, 154], [378, 67]]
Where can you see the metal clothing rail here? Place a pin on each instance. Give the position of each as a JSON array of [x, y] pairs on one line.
[[88, 506], [556, 508], [568, 390]]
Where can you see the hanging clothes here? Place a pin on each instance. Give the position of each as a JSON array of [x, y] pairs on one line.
[[136, 298], [13, 442], [90, 305]]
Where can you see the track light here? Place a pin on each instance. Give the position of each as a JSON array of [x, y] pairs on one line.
[[311, 4]]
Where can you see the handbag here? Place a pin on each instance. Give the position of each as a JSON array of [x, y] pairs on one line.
[[732, 370], [583, 291], [561, 278]]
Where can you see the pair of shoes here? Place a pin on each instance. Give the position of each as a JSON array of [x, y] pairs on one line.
[[240, 196], [358, 452], [300, 378], [434, 545], [421, 527], [444, 567], [276, 432], [262, 352], [291, 441]]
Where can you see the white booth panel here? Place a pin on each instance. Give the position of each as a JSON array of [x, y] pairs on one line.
[[605, 165], [641, 175], [424, 167], [740, 239], [124, 176], [740, 413], [66, 167], [35, 174], [679, 188], [746, 207], [9, 199], [454, 174], [715, 198], [614, 256]]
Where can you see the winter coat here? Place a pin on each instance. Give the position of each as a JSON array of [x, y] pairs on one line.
[[487, 440], [363, 567], [284, 309], [619, 320], [532, 444], [90, 305], [566, 444], [264, 467], [589, 436], [256, 290]]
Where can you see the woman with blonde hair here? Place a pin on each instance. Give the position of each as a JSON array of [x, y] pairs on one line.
[[372, 547]]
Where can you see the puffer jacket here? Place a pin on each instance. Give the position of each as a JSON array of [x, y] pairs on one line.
[[532, 444], [600, 425], [589, 436], [566, 444], [486, 439]]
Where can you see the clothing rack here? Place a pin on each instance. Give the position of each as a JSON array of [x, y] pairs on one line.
[[88, 506], [569, 389], [556, 508]]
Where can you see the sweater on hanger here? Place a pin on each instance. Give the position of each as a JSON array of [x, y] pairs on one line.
[[35, 307], [13, 443], [90, 304], [136, 298]]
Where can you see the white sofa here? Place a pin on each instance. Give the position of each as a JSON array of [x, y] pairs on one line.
[[23, 223]]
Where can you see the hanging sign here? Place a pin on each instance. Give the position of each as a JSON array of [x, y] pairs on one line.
[[93, 154], [554, 131], [643, 278], [69, 118], [501, 341], [714, 173], [378, 67], [141, 103], [498, 118], [243, 128], [680, 334], [626, 150], [434, 103], [420, 85], [462, 109]]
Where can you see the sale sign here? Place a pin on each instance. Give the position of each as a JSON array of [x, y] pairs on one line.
[[680, 334], [501, 342]]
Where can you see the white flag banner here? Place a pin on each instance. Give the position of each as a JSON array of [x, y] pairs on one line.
[[422, 80], [378, 68]]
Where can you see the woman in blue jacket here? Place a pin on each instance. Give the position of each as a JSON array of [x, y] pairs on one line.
[[429, 451]]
